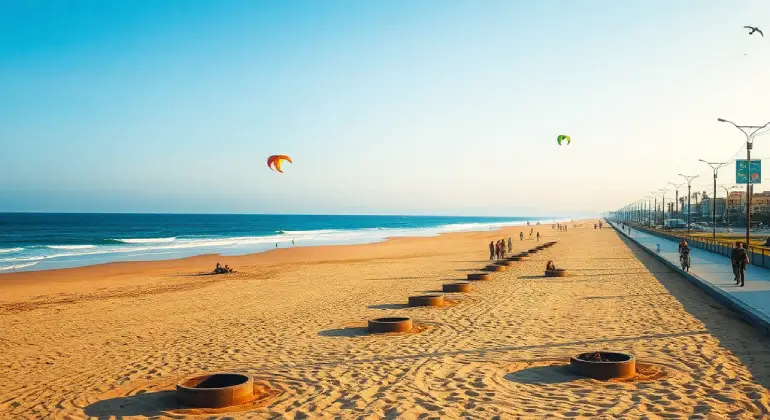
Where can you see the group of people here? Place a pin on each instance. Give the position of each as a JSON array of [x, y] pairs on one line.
[[561, 227], [598, 225], [223, 270], [497, 249], [739, 259]]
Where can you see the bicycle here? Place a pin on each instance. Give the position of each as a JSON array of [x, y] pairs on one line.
[[684, 260]]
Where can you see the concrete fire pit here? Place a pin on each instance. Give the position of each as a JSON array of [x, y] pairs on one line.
[[461, 287], [479, 276], [518, 258], [603, 365], [426, 300], [495, 267], [216, 390], [559, 272], [504, 263], [390, 325]]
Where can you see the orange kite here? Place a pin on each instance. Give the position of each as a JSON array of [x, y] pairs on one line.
[[275, 160]]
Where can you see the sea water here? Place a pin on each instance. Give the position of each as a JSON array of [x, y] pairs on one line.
[[40, 241]]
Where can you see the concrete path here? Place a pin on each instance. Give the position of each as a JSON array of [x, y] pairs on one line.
[[715, 273]]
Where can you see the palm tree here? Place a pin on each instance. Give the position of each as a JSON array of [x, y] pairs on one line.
[[695, 195], [704, 194], [681, 204]]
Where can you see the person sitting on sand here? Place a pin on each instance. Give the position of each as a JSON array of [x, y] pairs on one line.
[[550, 266], [219, 269], [228, 269]]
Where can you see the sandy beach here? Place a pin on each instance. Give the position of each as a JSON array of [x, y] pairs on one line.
[[111, 341]]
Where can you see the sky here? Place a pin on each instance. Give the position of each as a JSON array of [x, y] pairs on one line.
[[386, 107]]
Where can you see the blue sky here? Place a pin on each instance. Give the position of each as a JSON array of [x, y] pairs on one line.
[[410, 107]]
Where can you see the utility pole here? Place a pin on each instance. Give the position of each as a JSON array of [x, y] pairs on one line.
[[714, 167], [689, 179], [663, 205], [750, 131]]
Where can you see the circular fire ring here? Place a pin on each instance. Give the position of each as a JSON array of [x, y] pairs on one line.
[[426, 300], [495, 267], [462, 287], [216, 390], [559, 272], [390, 325], [505, 263], [479, 276], [518, 258], [603, 365]]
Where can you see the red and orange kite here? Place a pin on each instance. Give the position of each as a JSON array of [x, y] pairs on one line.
[[276, 160]]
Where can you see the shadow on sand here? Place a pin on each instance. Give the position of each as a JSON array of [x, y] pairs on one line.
[[389, 306], [724, 324], [150, 404], [345, 332], [543, 375]]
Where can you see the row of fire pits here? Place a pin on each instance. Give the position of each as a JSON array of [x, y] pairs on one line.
[[221, 390]]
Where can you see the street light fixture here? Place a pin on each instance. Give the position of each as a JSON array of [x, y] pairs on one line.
[[727, 201], [689, 179], [663, 205], [676, 200], [714, 167], [750, 131]]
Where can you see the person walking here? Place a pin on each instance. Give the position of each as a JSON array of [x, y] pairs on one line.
[[510, 244], [491, 251], [538, 236], [739, 259], [521, 236]]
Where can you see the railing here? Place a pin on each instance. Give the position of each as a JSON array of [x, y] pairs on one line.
[[757, 255]]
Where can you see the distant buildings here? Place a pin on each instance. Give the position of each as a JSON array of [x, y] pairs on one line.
[[706, 206]]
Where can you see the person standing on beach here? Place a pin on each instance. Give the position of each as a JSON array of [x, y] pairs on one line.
[[510, 244], [739, 259], [521, 236], [491, 251], [538, 236]]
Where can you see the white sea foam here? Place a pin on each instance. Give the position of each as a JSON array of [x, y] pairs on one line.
[[71, 246], [9, 250], [146, 240], [15, 266]]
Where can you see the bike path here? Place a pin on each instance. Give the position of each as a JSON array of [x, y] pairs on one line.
[[715, 275]]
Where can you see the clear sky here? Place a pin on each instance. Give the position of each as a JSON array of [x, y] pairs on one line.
[[389, 106]]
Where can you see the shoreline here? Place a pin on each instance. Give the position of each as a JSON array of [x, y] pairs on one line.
[[204, 264]]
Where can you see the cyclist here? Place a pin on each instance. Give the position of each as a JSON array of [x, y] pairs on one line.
[[684, 255]]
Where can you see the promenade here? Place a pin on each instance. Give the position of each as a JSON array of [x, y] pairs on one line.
[[715, 272]]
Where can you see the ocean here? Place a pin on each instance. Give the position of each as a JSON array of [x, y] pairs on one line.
[[42, 241]]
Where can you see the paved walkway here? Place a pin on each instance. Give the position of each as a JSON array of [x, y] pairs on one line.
[[715, 270]]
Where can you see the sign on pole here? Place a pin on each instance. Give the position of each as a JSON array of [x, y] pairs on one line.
[[740, 171]]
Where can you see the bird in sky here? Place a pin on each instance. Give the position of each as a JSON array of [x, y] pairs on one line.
[[754, 29]]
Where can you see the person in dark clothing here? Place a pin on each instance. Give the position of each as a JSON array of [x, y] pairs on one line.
[[739, 259], [684, 255], [491, 251], [538, 236]]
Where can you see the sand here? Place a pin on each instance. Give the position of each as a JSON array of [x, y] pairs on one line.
[[111, 341]]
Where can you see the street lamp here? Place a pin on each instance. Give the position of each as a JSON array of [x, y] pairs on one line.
[[689, 179], [714, 167], [676, 202], [750, 131], [727, 201], [663, 205]]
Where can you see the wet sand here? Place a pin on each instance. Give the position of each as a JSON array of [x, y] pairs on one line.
[[111, 341]]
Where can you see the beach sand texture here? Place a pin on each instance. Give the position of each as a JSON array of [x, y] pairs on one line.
[[111, 341]]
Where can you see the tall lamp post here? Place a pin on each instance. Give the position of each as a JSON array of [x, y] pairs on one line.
[[663, 205], [676, 199], [750, 131], [727, 201], [714, 167], [689, 179]]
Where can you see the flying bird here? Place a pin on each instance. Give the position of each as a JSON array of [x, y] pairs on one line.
[[754, 29]]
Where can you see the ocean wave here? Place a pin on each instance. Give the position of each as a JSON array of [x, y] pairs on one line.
[[146, 240], [70, 246], [15, 266], [9, 250]]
